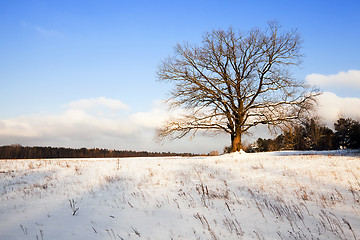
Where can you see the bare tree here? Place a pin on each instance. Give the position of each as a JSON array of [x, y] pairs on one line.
[[234, 82]]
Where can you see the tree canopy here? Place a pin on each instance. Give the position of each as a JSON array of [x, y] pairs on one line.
[[235, 81]]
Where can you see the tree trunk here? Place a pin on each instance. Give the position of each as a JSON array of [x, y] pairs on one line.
[[235, 142]]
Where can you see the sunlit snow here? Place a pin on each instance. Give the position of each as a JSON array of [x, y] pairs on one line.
[[281, 195]]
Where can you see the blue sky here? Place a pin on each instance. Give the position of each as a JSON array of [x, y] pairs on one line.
[[55, 54]]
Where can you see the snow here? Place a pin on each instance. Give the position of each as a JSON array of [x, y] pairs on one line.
[[279, 195]]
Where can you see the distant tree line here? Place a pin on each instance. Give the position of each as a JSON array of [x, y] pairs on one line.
[[313, 135], [17, 151]]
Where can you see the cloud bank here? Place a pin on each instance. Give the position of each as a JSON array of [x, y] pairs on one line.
[[331, 107], [110, 123], [350, 78], [97, 122]]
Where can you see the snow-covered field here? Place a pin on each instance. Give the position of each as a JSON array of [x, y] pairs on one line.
[[237, 196]]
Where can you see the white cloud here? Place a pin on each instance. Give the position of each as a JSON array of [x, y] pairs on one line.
[[350, 78], [101, 102], [81, 123], [153, 118], [103, 123], [71, 124], [331, 107]]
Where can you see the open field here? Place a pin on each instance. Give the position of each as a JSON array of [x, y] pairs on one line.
[[278, 195]]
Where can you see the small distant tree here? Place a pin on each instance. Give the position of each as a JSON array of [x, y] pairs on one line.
[[317, 135], [278, 143], [234, 81], [294, 138], [299, 138], [326, 141], [263, 145], [347, 133], [355, 135], [310, 135], [227, 149]]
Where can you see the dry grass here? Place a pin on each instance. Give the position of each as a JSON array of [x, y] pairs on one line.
[[253, 196]]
